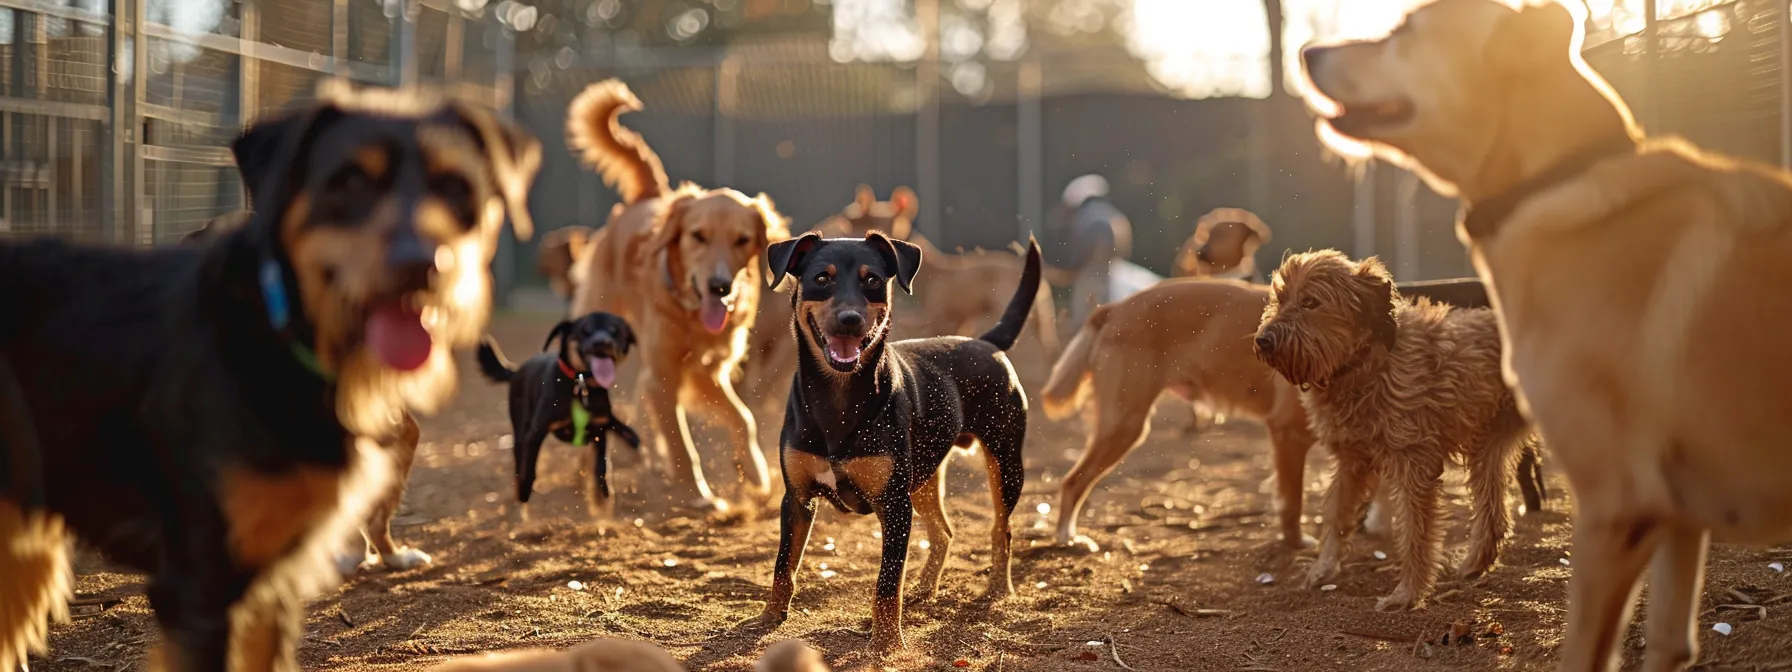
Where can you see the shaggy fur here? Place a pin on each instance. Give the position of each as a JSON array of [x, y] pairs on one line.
[[223, 457], [374, 545], [1642, 287], [1396, 391], [684, 266]]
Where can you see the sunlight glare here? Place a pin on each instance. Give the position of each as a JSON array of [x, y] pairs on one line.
[[1202, 49]]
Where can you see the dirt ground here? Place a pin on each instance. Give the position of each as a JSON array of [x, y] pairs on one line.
[[1180, 585]]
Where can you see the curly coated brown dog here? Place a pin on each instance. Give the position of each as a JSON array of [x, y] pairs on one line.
[[1396, 391], [684, 266], [230, 449], [1642, 287]]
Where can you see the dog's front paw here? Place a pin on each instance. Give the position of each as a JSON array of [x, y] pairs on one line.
[[1478, 561], [406, 558], [1080, 543], [1322, 572], [769, 619], [1401, 599], [350, 562], [998, 590]]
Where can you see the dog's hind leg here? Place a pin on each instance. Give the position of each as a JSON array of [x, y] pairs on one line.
[[1489, 470], [1676, 579], [1530, 474], [378, 531], [264, 636], [1413, 479], [930, 503], [35, 581], [1121, 424], [1007, 476]]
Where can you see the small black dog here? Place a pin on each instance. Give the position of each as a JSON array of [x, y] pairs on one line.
[[869, 423], [542, 391]]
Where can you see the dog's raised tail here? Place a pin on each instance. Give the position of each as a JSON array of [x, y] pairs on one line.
[[1014, 318], [491, 362], [620, 155], [1069, 386]]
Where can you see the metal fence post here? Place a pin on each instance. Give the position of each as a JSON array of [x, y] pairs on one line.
[[140, 201], [1406, 226], [726, 101], [1030, 150], [927, 120], [504, 263], [112, 153], [248, 78], [404, 49]]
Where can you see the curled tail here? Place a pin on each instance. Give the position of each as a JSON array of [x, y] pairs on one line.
[[1015, 317], [620, 155], [1069, 386], [492, 364]]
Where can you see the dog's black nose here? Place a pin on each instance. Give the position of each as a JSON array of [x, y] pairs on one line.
[[412, 261], [1266, 345], [721, 286], [851, 319]]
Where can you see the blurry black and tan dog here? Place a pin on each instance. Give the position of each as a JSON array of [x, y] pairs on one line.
[[869, 423], [375, 543], [566, 392], [193, 411]]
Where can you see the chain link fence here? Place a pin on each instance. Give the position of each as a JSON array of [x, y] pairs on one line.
[[105, 141]]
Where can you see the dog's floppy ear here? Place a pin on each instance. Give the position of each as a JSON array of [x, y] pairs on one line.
[[513, 156], [561, 331], [269, 150], [863, 197], [907, 205], [1532, 37], [904, 256], [786, 256], [1376, 299]]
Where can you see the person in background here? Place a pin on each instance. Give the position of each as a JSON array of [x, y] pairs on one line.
[[1083, 244]]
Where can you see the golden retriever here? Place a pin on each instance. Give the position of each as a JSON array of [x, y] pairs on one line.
[[685, 267], [1642, 289]]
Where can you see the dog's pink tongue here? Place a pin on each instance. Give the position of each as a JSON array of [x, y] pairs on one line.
[[603, 371], [396, 335], [714, 314], [844, 349]]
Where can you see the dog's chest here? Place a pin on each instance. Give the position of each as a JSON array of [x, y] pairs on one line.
[[851, 484]]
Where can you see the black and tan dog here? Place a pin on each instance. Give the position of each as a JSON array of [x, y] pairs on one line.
[[192, 411], [566, 392], [869, 423], [375, 542]]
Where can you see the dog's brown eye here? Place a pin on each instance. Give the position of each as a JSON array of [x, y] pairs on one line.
[[823, 279], [451, 187], [699, 237], [351, 179], [742, 241], [873, 281], [1309, 303]]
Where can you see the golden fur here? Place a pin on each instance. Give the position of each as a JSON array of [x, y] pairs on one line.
[[1192, 337], [1644, 299], [1396, 391], [656, 263], [34, 559]]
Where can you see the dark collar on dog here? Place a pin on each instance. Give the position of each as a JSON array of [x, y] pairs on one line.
[[1483, 219], [566, 370], [273, 295]]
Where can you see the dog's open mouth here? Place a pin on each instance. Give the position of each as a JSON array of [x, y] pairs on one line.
[[602, 370], [396, 335], [1359, 118], [842, 351]]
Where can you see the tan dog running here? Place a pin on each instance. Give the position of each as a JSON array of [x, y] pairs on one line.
[[1642, 287], [1396, 391], [964, 290], [685, 267], [624, 655], [1192, 337]]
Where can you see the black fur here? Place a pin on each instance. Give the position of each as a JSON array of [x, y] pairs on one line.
[[541, 395], [911, 401], [147, 373]]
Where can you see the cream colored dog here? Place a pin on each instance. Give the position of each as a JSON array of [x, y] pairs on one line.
[[1643, 291]]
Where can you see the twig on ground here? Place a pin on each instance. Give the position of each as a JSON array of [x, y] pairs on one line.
[[1194, 613], [1739, 596], [342, 614], [1114, 648], [1759, 611]]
